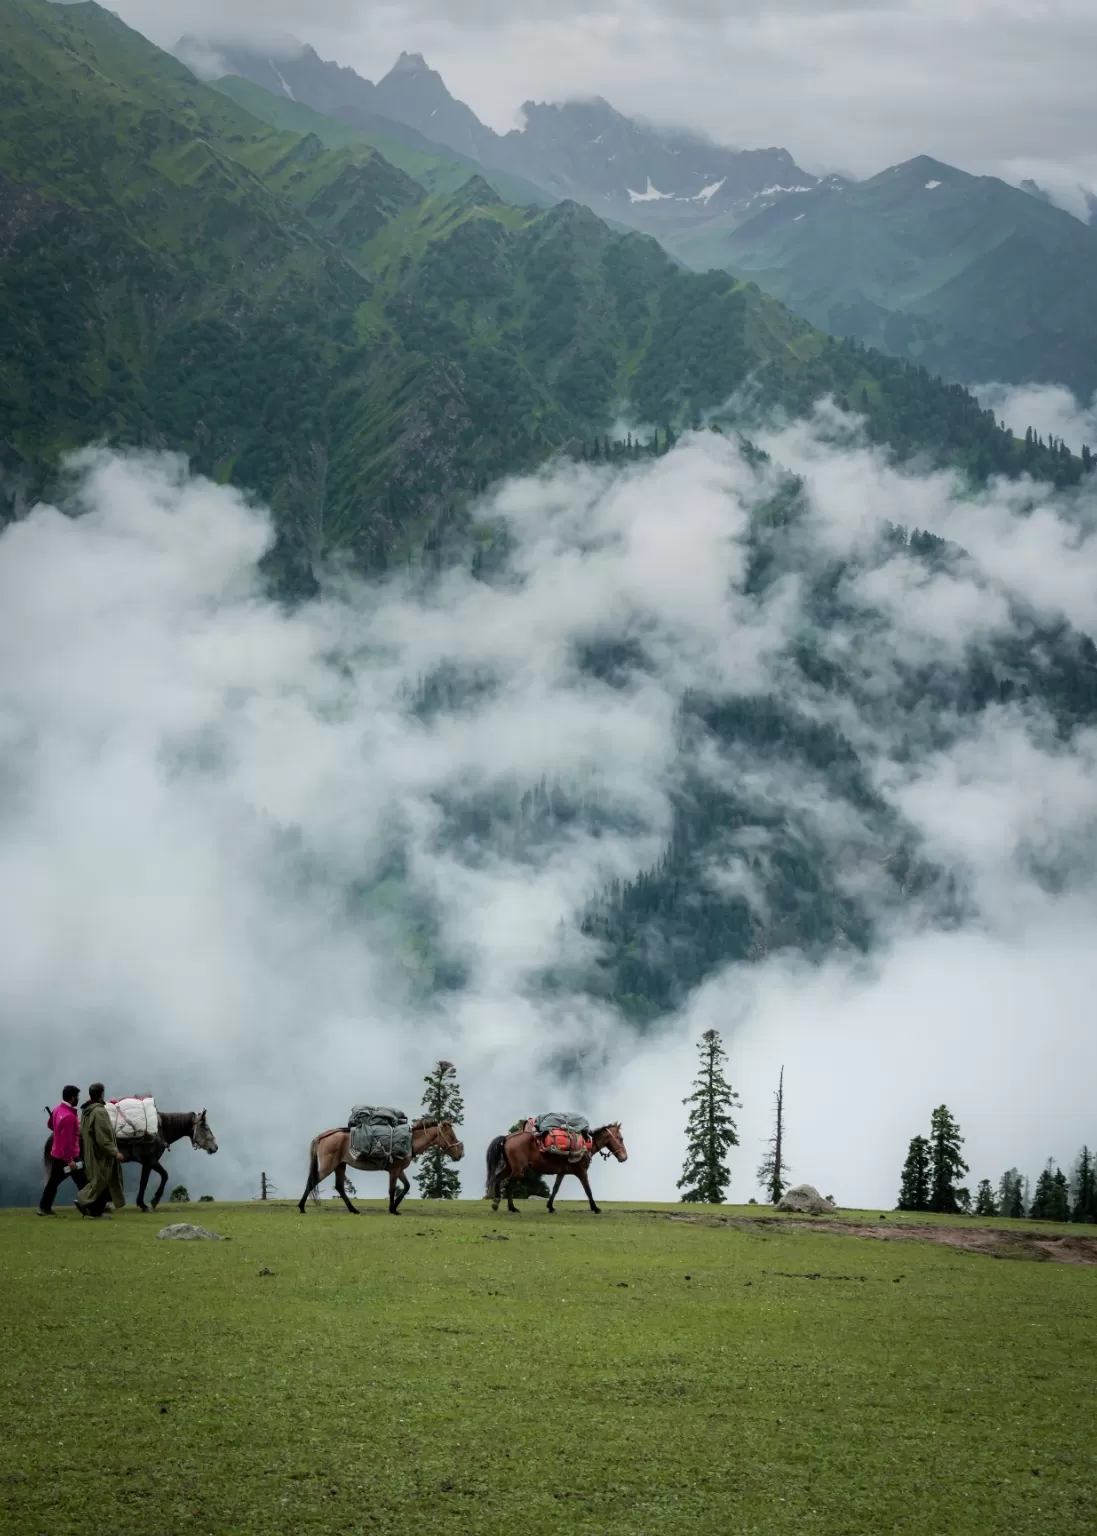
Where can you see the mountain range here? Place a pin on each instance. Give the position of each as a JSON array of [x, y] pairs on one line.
[[976, 279], [633, 173], [319, 324], [367, 343]]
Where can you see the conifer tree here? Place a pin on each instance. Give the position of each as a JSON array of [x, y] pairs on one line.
[[437, 1178], [946, 1163], [1011, 1194], [985, 1203], [773, 1167], [1084, 1189], [1041, 1200], [1060, 1196], [914, 1183], [710, 1130]]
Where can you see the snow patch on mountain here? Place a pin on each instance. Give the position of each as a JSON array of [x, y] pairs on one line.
[[706, 194], [282, 81], [652, 195]]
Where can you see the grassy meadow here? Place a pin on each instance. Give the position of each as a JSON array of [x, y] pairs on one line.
[[629, 1373]]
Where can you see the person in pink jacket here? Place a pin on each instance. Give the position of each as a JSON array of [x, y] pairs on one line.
[[63, 1151]]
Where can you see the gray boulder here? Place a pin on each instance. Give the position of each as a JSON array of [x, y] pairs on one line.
[[187, 1232], [807, 1200]]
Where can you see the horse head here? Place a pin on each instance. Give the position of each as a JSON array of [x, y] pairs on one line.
[[448, 1140], [609, 1140], [202, 1138]]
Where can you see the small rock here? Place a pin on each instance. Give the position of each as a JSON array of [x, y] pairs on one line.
[[622, 1285], [266, 1271], [495, 1237], [186, 1231]]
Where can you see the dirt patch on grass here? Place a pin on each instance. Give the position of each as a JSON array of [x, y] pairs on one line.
[[1065, 1248]]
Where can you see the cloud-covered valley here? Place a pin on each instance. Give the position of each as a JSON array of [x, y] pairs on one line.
[[273, 861]]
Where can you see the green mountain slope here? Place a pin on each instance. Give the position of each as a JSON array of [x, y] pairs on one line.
[[437, 170], [307, 319], [964, 274], [310, 323]]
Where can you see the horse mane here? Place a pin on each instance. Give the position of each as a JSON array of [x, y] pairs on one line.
[[424, 1123], [175, 1124], [612, 1125]]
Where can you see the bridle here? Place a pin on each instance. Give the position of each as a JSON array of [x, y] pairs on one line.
[[613, 1141], [447, 1146]]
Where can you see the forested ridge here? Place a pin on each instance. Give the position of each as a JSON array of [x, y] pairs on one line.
[[367, 354], [314, 324]]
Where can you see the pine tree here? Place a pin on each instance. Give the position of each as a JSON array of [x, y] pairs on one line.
[[1042, 1199], [710, 1130], [985, 1203], [946, 1163], [914, 1184], [437, 1178], [1060, 1196], [1011, 1194], [773, 1167], [1084, 1188]]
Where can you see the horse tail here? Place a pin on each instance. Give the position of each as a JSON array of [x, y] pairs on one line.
[[497, 1160], [314, 1174]]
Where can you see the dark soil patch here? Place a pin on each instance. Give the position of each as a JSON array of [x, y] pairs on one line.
[[996, 1243]]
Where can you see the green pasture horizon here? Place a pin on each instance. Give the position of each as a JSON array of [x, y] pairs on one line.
[[476, 1373]]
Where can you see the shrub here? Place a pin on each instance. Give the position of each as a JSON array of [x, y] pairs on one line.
[[180, 1194]]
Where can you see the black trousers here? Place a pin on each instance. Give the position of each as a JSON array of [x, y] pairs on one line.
[[57, 1177]]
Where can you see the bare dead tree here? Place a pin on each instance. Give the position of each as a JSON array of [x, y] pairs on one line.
[[773, 1170]]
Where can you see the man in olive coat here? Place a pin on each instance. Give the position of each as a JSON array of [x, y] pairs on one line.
[[102, 1159]]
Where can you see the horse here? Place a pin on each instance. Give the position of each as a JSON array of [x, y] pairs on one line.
[[510, 1156], [148, 1150], [330, 1153]]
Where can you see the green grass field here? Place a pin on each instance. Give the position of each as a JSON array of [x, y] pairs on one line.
[[626, 1373]]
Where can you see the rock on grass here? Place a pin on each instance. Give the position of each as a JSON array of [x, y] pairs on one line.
[[187, 1232]]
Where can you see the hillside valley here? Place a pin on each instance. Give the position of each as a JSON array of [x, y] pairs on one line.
[[359, 331]]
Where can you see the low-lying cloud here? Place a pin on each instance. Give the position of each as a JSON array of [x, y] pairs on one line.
[[271, 862]]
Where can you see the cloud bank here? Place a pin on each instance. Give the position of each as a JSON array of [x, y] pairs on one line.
[[274, 862]]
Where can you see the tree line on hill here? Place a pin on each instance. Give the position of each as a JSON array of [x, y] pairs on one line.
[[930, 1181]]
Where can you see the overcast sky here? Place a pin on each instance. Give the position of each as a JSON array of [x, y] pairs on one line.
[[990, 85]]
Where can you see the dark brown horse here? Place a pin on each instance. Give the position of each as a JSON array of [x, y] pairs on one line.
[[148, 1150], [510, 1156], [330, 1153]]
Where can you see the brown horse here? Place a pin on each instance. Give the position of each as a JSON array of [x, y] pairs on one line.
[[510, 1156], [330, 1153]]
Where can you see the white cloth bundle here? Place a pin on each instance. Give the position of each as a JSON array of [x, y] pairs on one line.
[[132, 1118]]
